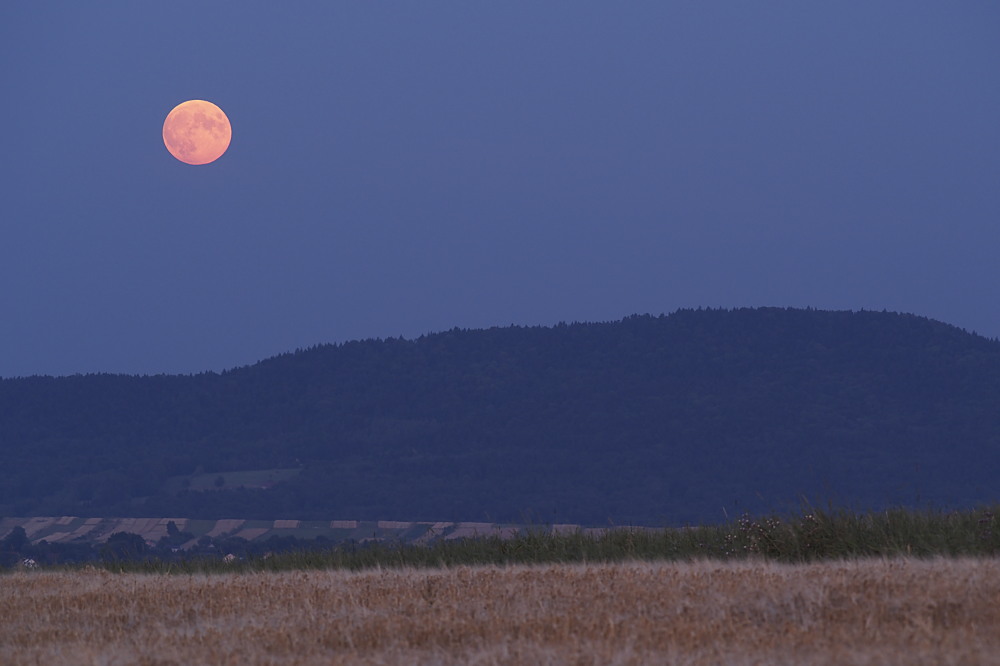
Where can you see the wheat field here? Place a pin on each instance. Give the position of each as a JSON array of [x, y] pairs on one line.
[[941, 611]]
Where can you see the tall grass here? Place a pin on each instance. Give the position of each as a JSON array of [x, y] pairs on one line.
[[875, 611], [814, 535]]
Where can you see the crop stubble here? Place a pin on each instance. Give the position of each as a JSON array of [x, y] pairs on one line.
[[941, 611]]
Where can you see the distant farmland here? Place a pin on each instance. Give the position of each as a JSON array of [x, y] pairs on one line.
[[63, 529], [900, 611]]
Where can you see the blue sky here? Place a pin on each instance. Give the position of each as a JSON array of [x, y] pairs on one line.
[[399, 168]]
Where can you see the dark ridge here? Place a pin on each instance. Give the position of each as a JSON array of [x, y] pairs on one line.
[[649, 420]]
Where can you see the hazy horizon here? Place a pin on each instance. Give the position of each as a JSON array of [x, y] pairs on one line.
[[417, 336]]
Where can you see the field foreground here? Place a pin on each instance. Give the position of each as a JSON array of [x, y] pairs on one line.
[[942, 611]]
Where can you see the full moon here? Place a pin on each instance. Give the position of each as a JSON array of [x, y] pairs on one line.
[[197, 132]]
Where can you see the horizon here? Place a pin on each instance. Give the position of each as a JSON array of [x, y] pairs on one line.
[[416, 338]]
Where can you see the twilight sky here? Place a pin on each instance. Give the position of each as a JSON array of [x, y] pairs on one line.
[[399, 168]]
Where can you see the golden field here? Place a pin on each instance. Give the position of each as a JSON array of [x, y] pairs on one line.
[[941, 611]]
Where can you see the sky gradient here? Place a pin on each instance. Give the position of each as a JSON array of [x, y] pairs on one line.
[[400, 168]]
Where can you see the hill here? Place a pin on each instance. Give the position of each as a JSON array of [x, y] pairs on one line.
[[651, 420]]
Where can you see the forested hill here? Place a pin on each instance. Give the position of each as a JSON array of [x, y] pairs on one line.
[[653, 420]]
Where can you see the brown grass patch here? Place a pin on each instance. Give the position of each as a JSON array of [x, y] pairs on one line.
[[227, 526], [36, 525], [868, 612], [344, 524], [470, 531], [88, 526]]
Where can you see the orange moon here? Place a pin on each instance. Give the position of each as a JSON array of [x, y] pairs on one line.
[[197, 132]]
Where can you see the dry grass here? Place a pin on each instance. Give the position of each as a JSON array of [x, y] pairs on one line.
[[862, 612]]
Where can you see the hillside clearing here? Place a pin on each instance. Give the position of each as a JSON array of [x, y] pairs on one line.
[[936, 611]]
